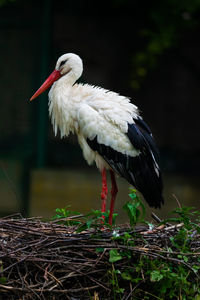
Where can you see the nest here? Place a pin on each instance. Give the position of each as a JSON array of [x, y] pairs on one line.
[[47, 260]]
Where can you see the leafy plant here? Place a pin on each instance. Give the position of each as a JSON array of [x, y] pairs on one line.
[[176, 277], [114, 256], [135, 208], [64, 214], [186, 215], [94, 219], [190, 220], [117, 290]]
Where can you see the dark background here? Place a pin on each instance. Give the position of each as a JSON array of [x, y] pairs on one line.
[[146, 50]]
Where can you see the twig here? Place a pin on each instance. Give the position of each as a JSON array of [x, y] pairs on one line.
[[156, 218], [179, 205]]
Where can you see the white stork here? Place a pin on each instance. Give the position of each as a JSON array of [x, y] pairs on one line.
[[110, 131]]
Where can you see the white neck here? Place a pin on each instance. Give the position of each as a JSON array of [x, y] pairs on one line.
[[59, 104]]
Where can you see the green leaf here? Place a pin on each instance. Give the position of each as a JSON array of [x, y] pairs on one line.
[[155, 276], [99, 250], [120, 291], [196, 268], [117, 272], [132, 195], [126, 276], [114, 256]]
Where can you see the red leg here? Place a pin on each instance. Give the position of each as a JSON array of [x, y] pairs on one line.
[[104, 191], [114, 191]]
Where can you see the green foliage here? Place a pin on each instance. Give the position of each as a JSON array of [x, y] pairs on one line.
[[190, 220], [188, 216], [117, 291], [175, 276], [95, 219], [161, 279], [63, 214], [134, 208], [114, 256]]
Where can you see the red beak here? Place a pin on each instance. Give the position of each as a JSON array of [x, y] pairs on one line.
[[55, 75]]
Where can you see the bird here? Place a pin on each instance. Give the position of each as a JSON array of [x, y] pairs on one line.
[[110, 129]]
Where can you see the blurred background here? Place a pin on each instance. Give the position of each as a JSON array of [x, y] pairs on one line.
[[146, 50]]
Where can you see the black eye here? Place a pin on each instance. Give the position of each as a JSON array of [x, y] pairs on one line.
[[62, 63]]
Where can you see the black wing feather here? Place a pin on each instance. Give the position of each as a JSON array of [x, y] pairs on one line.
[[140, 171]]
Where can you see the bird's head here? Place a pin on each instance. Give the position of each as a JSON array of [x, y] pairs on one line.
[[68, 64]]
